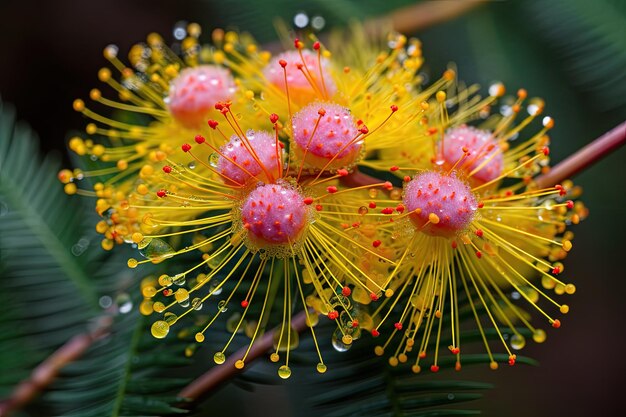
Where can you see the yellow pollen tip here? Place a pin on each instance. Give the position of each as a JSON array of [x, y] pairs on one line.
[[132, 263], [239, 364], [389, 293], [199, 337], [441, 96], [137, 237], [493, 366], [78, 105], [564, 309], [566, 245], [433, 218], [379, 350]]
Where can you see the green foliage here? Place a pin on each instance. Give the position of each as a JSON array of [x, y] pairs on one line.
[[50, 280]]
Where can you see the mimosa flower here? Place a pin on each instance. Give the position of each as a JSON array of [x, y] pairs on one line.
[[472, 229]]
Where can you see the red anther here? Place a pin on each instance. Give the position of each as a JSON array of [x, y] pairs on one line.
[[398, 325], [376, 243], [332, 314], [161, 193], [509, 193], [298, 44], [244, 303], [321, 112], [434, 368], [167, 292], [546, 151], [246, 226], [331, 189], [481, 205], [457, 366], [356, 224], [346, 291], [562, 192], [465, 150], [225, 110], [316, 45], [282, 63], [375, 333], [167, 169], [406, 178], [364, 130], [212, 123], [455, 350], [558, 187], [479, 254], [186, 147], [344, 225], [556, 323], [299, 66], [512, 360], [219, 105], [422, 355], [394, 108], [394, 168], [556, 270], [400, 208], [319, 207], [387, 210], [372, 205], [308, 201], [454, 244], [374, 297], [199, 139], [570, 204], [388, 185], [342, 172], [479, 233], [432, 130], [359, 122], [273, 117], [355, 323]]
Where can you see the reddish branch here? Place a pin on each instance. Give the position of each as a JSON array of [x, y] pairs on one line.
[[219, 374], [44, 374], [585, 157]]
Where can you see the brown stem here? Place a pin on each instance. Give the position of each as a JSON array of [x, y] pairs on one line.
[[422, 15], [585, 157], [44, 374], [221, 373]]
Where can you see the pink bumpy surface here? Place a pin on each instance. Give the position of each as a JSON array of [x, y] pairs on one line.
[[296, 80], [264, 146], [444, 195], [274, 214], [336, 129], [195, 91], [481, 146]]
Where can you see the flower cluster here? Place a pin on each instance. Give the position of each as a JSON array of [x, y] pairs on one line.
[[253, 165]]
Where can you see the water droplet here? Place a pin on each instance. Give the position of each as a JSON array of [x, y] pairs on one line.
[[214, 159], [191, 165], [156, 250], [179, 279], [517, 341], [219, 358], [105, 301], [160, 329], [363, 210], [301, 20], [318, 22], [221, 306], [170, 318], [284, 372], [124, 303], [196, 303], [338, 344]]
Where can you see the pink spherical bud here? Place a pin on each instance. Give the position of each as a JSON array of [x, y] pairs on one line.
[[274, 214], [300, 89], [195, 91], [239, 165], [441, 205], [478, 148], [333, 139]]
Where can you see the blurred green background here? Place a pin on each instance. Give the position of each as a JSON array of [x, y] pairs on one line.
[[571, 53]]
